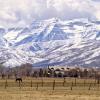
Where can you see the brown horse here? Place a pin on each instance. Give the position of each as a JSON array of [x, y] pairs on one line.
[[19, 79]]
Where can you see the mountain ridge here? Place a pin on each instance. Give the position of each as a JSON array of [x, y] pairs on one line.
[[52, 42]]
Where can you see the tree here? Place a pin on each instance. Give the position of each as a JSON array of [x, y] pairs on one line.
[[41, 72], [2, 74]]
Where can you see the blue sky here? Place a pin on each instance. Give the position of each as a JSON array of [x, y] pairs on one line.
[[23, 12]]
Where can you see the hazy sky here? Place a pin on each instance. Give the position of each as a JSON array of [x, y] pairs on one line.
[[23, 12]]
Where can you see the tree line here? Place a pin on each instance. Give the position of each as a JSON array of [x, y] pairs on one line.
[[27, 70]]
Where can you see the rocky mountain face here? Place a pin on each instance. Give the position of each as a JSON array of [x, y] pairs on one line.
[[52, 42]]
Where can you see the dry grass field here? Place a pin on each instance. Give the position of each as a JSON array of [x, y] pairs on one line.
[[49, 89]]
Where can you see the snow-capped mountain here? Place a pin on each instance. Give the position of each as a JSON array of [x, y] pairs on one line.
[[52, 42]]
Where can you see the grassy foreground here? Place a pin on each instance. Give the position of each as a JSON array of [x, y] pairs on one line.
[[29, 91]]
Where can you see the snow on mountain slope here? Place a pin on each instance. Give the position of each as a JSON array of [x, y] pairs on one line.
[[52, 42]]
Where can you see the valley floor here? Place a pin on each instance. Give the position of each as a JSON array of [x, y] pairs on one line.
[[29, 90], [16, 94]]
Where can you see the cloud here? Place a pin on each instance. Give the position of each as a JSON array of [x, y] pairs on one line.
[[96, 0], [23, 12], [72, 8]]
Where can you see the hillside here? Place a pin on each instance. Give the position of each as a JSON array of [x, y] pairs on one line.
[[52, 42]]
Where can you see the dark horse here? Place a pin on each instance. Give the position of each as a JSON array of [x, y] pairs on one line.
[[19, 79]]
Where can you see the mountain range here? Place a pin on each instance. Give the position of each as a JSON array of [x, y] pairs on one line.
[[52, 42]]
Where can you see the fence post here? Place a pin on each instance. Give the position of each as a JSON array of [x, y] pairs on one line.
[[72, 86], [75, 81], [37, 86], [90, 86], [19, 85], [31, 83], [98, 81], [84, 82], [53, 84], [98, 86], [42, 82], [64, 81], [95, 82], [6, 84]]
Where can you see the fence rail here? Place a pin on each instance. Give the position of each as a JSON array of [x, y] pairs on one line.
[[52, 84]]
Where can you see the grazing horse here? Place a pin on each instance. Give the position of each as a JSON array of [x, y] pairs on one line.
[[19, 79]]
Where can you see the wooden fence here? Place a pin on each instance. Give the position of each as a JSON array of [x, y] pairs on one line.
[[53, 84]]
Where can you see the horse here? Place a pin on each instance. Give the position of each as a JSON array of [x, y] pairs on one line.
[[19, 79]]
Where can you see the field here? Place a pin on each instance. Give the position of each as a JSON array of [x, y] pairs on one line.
[[49, 89]]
